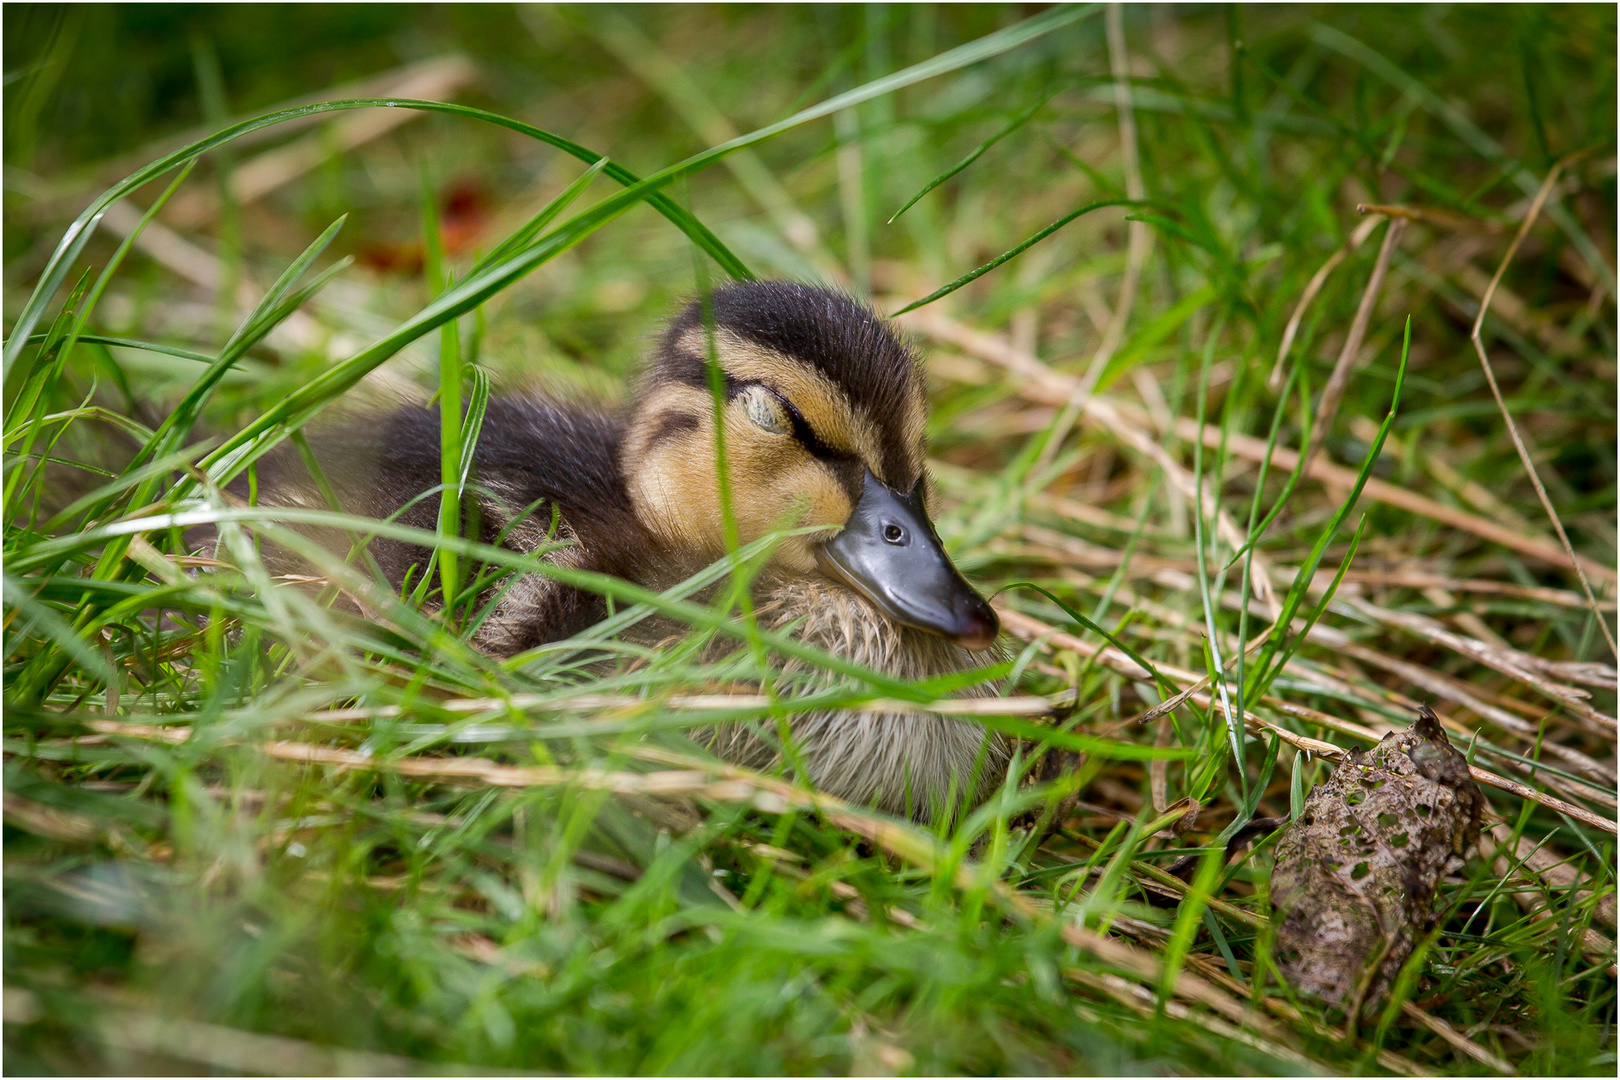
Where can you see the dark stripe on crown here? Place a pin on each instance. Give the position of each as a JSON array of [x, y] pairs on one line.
[[826, 330]]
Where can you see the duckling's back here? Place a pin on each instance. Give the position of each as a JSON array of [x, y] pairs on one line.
[[543, 471]]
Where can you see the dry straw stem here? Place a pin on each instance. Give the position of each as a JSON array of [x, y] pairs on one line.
[[1314, 286], [1602, 778], [1519, 666], [1515, 663], [1042, 384], [1177, 886], [1431, 215], [42, 820], [1450, 1034], [721, 783], [1169, 705], [1142, 1001], [1328, 406], [1422, 579], [1458, 1040], [1507, 416], [1277, 1006], [1213, 972], [619, 707], [1340, 478], [699, 778]]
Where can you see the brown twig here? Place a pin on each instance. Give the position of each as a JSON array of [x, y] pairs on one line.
[[1431, 215]]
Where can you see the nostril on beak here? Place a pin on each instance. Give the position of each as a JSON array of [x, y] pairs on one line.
[[980, 627]]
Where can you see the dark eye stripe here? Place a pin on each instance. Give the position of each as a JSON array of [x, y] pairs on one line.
[[849, 468], [806, 434], [693, 371], [671, 424]]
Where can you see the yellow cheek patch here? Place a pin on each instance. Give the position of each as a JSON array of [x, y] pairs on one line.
[[670, 472], [669, 468]]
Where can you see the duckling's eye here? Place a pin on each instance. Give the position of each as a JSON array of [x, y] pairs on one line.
[[894, 534], [763, 409]]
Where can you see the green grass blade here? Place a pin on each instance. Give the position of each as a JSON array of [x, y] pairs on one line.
[[34, 397], [38, 615], [131, 343], [604, 584], [1164, 686], [473, 424], [78, 234], [1011, 253], [450, 445], [107, 272], [274, 308], [1265, 672], [1470, 133], [537, 224], [1013, 125]]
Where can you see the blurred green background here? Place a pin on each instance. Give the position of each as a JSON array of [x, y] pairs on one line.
[[1261, 128], [93, 91]]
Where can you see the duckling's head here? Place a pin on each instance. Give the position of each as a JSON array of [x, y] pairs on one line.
[[823, 424]]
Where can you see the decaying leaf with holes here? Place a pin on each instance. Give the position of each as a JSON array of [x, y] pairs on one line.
[[1355, 876]]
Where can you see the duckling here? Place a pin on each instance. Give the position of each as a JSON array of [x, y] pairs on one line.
[[823, 423]]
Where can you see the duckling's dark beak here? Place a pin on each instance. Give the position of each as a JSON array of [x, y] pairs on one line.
[[890, 554]]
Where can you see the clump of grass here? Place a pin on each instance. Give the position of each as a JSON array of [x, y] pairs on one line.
[[1222, 439]]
